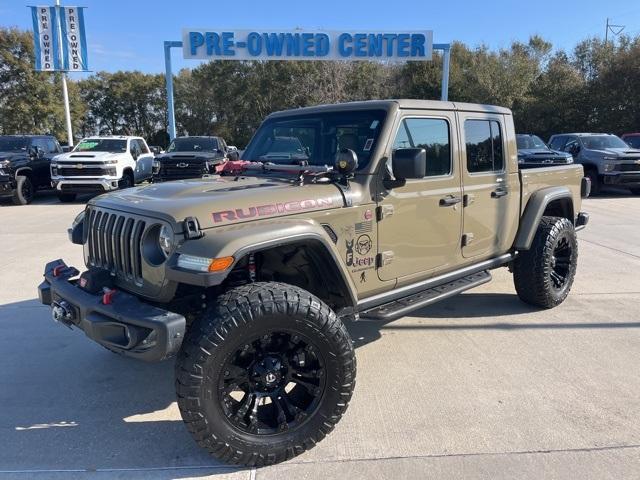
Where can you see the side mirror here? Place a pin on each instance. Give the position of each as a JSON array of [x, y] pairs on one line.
[[134, 154], [346, 161], [409, 163], [233, 155], [35, 152]]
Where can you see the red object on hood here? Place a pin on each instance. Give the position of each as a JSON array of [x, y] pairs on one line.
[[232, 166]]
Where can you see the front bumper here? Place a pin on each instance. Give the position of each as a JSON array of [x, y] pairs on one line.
[[84, 185], [623, 179], [126, 325]]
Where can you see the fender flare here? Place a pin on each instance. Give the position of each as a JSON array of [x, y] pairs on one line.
[[23, 169], [534, 211], [240, 240]]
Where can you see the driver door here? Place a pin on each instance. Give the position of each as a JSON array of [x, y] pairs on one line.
[[421, 223]]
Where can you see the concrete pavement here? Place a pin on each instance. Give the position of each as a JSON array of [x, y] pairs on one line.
[[479, 386]]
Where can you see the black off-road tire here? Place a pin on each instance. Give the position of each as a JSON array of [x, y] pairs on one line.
[[23, 194], [67, 197], [255, 311], [596, 184], [536, 271]]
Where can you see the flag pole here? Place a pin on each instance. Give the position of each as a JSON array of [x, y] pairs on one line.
[[65, 93]]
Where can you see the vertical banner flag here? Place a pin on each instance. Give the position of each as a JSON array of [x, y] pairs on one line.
[[74, 41], [45, 38]]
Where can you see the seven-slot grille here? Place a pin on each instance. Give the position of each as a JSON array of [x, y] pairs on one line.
[[114, 242]]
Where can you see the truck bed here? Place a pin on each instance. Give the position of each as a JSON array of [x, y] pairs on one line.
[[534, 179]]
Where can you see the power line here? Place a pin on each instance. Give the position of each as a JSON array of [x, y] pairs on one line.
[[614, 29]]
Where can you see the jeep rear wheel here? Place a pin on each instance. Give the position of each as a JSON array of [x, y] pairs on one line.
[[23, 194], [265, 374], [543, 275]]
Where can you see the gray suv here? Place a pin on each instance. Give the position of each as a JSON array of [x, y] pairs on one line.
[[607, 160]]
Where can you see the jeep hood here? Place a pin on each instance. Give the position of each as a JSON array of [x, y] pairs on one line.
[[220, 201]]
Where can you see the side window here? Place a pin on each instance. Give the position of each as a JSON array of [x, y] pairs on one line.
[[143, 146], [41, 143], [133, 147], [484, 146], [557, 143], [572, 143], [432, 134], [52, 147]]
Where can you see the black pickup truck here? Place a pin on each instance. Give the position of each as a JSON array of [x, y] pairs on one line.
[[24, 165], [191, 157]]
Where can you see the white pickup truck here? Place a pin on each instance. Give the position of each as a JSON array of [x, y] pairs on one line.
[[101, 164]]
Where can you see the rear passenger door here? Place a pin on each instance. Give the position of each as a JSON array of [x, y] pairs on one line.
[[491, 192]]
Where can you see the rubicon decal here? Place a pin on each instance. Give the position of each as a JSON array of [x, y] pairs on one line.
[[271, 209]]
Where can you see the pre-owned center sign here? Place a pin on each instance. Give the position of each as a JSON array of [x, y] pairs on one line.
[[215, 44]]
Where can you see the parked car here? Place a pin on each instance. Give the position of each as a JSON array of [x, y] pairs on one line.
[[249, 277], [24, 165], [191, 157], [101, 164], [607, 160], [632, 139], [533, 152]]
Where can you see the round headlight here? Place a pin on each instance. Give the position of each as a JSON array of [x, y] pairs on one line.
[[165, 240]]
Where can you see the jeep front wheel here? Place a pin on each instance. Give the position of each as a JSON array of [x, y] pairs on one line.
[[265, 374], [543, 275]]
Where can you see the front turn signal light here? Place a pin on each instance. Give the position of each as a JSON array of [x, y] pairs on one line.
[[220, 264]]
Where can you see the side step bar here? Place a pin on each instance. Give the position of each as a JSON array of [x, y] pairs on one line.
[[402, 306]]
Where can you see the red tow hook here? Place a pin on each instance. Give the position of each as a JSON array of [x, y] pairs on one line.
[[58, 269], [107, 296]]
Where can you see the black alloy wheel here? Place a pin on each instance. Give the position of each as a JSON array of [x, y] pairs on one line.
[[272, 383]]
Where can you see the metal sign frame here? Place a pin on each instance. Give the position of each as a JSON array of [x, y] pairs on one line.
[[169, 44]]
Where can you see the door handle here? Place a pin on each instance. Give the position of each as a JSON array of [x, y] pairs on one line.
[[449, 201], [499, 192]]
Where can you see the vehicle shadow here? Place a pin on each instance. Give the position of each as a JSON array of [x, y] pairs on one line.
[[68, 404]]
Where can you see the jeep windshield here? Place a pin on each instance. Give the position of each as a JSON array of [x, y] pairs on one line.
[[529, 142], [101, 145], [315, 139], [193, 145], [13, 144], [600, 142]]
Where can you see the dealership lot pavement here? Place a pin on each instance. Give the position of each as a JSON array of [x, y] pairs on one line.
[[479, 386]]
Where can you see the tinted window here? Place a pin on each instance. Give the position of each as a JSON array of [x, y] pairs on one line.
[[600, 142], [52, 147], [484, 146], [633, 141], [142, 146], [316, 138], [572, 142], [101, 145], [529, 142], [432, 134], [193, 144], [557, 143], [41, 143], [13, 144]]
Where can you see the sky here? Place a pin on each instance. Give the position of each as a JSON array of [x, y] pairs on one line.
[[128, 35]]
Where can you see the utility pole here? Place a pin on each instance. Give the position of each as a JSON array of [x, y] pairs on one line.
[[65, 93], [614, 29]]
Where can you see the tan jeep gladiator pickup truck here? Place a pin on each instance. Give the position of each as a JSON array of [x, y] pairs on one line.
[[337, 212]]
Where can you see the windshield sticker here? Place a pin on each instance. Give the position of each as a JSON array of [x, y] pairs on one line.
[[83, 145], [368, 144]]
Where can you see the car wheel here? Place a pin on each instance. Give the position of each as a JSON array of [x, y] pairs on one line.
[[67, 197], [23, 194], [126, 181], [592, 174], [543, 275], [265, 374]]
